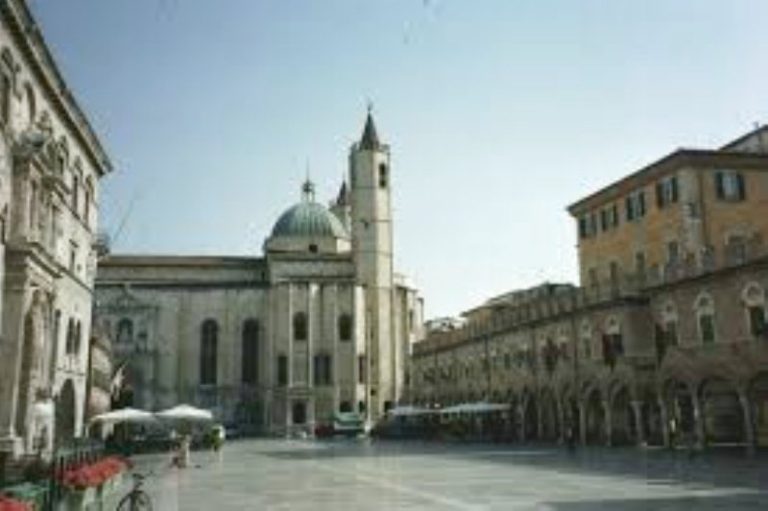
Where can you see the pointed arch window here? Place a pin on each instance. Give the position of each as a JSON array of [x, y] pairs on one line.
[[753, 298], [250, 352], [705, 318], [209, 333], [125, 331], [300, 326]]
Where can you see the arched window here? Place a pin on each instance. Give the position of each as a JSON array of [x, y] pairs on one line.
[[75, 194], [705, 318], [69, 345], [753, 298], [209, 333], [250, 355], [345, 327], [300, 326], [87, 200], [124, 331], [78, 338], [383, 178], [586, 340], [31, 103]]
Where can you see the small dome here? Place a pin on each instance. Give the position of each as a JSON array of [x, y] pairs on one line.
[[309, 220]]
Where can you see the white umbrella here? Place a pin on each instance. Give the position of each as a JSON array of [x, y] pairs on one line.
[[124, 415], [185, 413]]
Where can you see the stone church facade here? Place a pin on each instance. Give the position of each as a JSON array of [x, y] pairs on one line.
[[321, 323], [51, 163]]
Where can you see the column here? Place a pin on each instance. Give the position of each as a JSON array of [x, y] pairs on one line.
[[664, 419], [637, 408], [608, 417], [749, 425], [521, 422], [583, 422], [698, 421], [561, 422]]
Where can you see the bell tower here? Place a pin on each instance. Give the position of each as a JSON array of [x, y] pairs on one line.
[[371, 219]]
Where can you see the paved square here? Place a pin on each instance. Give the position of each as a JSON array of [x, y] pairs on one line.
[[359, 474]]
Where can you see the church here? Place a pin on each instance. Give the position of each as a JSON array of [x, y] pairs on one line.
[[320, 323]]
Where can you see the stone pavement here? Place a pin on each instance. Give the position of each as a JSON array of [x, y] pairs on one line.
[[361, 475]]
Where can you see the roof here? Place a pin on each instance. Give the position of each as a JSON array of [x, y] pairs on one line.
[[370, 139], [177, 260], [674, 160], [42, 62], [308, 219]]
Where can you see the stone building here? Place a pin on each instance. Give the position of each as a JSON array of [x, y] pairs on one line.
[[320, 323], [666, 337], [50, 166]]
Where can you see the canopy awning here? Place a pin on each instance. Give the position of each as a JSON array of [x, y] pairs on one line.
[[477, 407], [124, 415], [185, 413]]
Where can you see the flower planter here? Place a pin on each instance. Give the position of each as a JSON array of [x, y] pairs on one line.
[[80, 500]]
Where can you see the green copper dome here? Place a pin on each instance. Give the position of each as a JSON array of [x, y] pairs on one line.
[[308, 219]]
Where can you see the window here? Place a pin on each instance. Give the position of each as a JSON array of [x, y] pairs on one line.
[[588, 225], [322, 370], [300, 326], [345, 407], [635, 205], [757, 322], [76, 194], [670, 332], [209, 333], [345, 327], [78, 338], [124, 331], [507, 361], [666, 192], [609, 217], [753, 297], [282, 370], [592, 277], [70, 341], [5, 96], [604, 225], [250, 352], [640, 264], [383, 175], [705, 318], [729, 186], [87, 202], [31, 103], [361, 368], [706, 328], [313, 248], [673, 252], [614, 274], [586, 347]]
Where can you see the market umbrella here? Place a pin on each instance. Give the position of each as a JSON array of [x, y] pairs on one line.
[[185, 413], [124, 415]]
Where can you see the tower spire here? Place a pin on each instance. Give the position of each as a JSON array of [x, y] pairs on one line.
[[370, 140]]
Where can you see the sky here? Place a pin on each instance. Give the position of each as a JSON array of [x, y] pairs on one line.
[[499, 114]]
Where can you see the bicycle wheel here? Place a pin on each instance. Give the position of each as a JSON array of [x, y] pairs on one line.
[[142, 502], [135, 501]]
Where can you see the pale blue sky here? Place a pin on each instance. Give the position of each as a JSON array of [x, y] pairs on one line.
[[499, 114]]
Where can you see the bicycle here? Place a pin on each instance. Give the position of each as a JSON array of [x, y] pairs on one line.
[[137, 499]]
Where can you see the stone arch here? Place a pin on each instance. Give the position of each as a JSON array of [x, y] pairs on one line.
[[65, 413], [678, 398], [623, 430], [758, 399], [32, 374], [595, 416], [549, 415], [721, 413]]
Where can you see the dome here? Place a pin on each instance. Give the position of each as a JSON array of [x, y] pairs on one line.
[[308, 220]]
